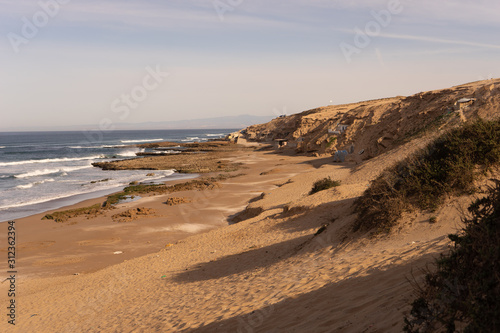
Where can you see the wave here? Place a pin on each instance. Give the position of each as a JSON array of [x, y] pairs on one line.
[[81, 191], [220, 134], [84, 147], [1, 147], [96, 147], [30, 185], [146, 140], [23, 187], [34, 202], [164, 173], [50, 171], [191, 138], [167, 173], [130, 153], [51, 160]]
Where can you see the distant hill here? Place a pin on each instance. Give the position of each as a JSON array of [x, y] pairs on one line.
[[240, 121]]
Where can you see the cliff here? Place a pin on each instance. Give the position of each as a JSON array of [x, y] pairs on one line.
[[373, 127]]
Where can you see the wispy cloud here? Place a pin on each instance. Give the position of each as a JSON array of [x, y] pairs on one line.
[[439, 40], [432, 51], [192, 14]]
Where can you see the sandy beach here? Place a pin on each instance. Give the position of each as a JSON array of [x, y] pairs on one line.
[[253, 251], [86, 243], [185, 269]]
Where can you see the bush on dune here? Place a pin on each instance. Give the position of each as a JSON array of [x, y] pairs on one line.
[[449, 165], [464, 292], [324, 184]]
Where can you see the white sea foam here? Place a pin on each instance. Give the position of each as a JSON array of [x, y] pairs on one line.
[[220, 134], [190, 138], [51, 160], [1, 147], [163, 174], [168, 152], [23, 187], [34, 202], [130, 153], [30, 185], [50, 171], [146, 140]]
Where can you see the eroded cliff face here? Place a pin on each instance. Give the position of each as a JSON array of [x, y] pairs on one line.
[[370, 128]]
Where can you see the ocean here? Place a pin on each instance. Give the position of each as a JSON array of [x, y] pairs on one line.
[[41, 171]]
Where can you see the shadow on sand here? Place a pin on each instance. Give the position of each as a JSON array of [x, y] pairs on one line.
[[373, 303]]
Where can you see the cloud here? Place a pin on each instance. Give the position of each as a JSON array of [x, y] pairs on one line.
[[192, 14], [439, 40]]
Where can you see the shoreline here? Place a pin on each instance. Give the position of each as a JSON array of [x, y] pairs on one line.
[[68, 202], [86, 244], [142, 161]]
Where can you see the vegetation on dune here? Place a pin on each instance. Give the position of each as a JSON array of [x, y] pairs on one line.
[[463, 294], [332, 140], [449, 165], [324, 184]]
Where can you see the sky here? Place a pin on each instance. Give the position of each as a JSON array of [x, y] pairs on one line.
[[75, 62]]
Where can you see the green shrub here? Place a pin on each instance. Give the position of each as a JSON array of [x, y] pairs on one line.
[[449, 165], [324, 184], [464, 291]]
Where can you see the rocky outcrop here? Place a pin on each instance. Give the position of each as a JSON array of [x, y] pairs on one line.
[[177, 201], [133, 214], [372, 127]]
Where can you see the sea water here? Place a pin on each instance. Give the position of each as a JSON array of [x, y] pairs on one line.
[[40, 171]]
